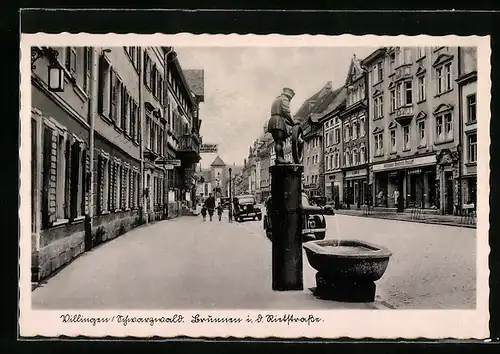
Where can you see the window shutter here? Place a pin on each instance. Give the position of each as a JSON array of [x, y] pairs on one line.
[[112, 96], [75, 164], [111, 187], [100, 195], [130, 189], [49, 177], [86, 184], [122, 186], [145, 71], [72, 60], [102, 77], [67, 177], [115, 185]]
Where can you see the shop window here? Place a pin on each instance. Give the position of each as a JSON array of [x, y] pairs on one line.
[[471, 108], [393, 140], [421, 89], [472, 147], [406, 137], [421, 133]]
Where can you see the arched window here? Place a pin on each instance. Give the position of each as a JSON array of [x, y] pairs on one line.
[[362, 157], [354, 157]]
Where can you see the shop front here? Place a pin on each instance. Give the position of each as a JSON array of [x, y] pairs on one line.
[[413, 179], [355, 187], [333, 187]]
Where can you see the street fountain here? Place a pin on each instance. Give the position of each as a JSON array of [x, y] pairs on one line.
[[346, 269]]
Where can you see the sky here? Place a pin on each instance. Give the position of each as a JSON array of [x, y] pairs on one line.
[[242, 82]]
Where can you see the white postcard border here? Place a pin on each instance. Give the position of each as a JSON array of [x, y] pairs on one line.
[[335, 323]]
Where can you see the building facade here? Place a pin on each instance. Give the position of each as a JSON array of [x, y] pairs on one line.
[[184, 134], [355, 137], [96, 146], [333, 150], [467, 92], [414, 136], [264, 156], [313, 158], [61, 158], [218, 178], [155, 129]]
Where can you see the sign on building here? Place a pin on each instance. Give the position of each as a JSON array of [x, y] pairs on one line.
[[209, 148], [172, 162]]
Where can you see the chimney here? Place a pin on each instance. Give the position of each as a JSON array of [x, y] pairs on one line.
[[329, 86]]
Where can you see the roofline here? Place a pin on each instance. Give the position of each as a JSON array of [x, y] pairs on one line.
[[374, 55], [177, 65]]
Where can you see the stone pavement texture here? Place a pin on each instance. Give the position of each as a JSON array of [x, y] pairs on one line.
[[183, 263], [449, 220], [432, 266]]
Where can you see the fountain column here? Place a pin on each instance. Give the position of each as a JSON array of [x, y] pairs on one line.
[[286, 220]]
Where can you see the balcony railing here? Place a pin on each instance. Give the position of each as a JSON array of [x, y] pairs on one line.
[[404, 114], [402, 72], [189, 143]]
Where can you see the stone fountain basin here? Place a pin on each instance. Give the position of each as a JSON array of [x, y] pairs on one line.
[[350, 260]]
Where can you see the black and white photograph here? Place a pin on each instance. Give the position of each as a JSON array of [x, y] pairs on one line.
[[207, 185]]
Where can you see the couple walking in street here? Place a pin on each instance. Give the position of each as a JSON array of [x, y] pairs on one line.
[[209, 205]]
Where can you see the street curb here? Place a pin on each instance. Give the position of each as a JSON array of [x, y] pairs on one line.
[[380, 305], [415, 221]]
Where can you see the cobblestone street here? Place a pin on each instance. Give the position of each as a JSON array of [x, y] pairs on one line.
[[187, 263]]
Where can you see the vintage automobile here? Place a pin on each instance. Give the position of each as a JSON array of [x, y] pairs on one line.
[[245, 207], [314, 224]]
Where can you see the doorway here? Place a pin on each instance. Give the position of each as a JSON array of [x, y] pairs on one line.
[[449, 193]]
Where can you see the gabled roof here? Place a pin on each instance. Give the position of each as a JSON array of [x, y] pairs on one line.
[[218, 162], [355, 69], [321, 105], [337, 101], [196, 81], [304, 110]]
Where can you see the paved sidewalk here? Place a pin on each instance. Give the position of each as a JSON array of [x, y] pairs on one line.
[[450, 220], [183, 263]]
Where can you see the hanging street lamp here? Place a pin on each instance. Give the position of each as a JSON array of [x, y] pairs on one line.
[[55, 70]]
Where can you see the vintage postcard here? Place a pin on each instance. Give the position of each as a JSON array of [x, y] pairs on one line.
[[254, 186]]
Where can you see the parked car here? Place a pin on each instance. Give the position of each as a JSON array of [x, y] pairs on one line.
[[329, 208], [314, 222], [245, 207], [226, 202]]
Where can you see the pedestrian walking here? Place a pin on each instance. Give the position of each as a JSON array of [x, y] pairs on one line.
[[210, 204], [220, 209], [204, 211]]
